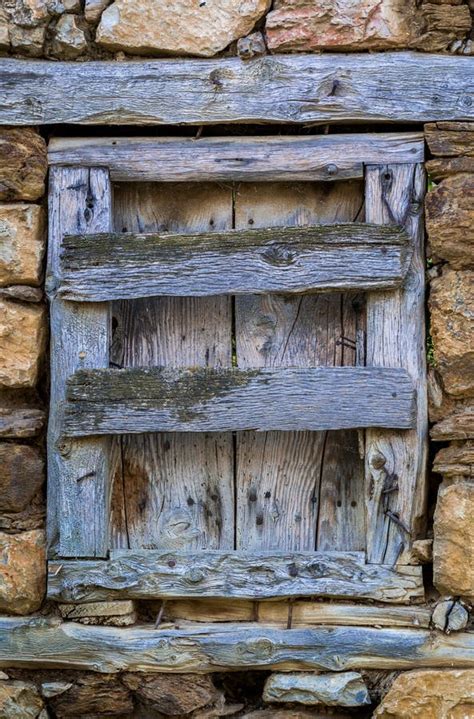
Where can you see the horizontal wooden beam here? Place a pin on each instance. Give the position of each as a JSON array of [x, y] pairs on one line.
[[365, 87], [42, 643], [280, 259], [249, 159], [240, 575], [161, 399]]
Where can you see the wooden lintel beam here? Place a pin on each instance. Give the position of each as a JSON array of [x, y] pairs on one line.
[[42, 643], [344, 257], [372, 87], [162, 399]]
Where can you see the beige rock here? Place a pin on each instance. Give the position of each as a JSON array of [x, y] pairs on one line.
[[22, 572], [93, 9], [450, 220], [452, 329], [4, 33], [69, 39], [173, 694], [430, 694], [27, 40], [442, 25], [20, 700], [22, 293], [457, 425], [453, 546], [181, 27], [457, 460], [22, 343], [23, 164], [111, 614], [251, 46], [29, 13], [22, 244], [91, 695]]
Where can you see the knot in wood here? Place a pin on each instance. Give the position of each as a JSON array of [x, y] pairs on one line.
[[378, 460], [278, 255], [261, 648], [195, 576]]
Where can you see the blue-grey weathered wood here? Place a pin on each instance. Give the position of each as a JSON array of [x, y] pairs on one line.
[[121, 401], [149, 574], [371, 87], [239, 159], [349, 256], [344, 689], [42, 643]]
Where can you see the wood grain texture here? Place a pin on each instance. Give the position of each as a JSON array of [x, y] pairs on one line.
[[173, 490], [78, 475], [241, 575], [47, 643], [225, 400], [396, 462], [323, 258], [238, 159], [365, 87]]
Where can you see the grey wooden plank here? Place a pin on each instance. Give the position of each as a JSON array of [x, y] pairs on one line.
[[371, 87], [217, 400], [238, 575], [246, 159], [396, 462], [78, 482], [173, 490], [39, 642], [284, 259]]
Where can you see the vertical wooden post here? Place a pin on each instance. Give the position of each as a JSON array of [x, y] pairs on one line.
[[395, 460], [78, 476]]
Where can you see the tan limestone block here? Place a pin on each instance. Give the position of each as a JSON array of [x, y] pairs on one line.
[[22, 244], [22, 343], [22, 572]]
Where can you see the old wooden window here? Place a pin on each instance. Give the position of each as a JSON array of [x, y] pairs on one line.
[[238, 379]]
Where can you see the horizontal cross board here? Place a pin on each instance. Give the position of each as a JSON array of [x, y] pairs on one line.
[[284, 259], [246, 159], [238, 575], [220, 400]]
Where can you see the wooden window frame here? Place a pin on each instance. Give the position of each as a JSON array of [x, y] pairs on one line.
[[78, 478]]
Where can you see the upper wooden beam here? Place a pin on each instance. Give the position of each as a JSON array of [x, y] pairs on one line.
[[279, 259], [366, 87], [250, 159]]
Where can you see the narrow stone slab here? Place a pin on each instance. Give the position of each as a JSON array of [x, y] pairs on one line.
[[346, 689]]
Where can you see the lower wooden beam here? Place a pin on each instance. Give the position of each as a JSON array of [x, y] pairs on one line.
[[237, 575], [48, 643]]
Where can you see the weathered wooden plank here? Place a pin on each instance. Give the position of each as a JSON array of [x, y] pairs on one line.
[[284, 259], [172, 490], [240, 575], [223, 400], [383, 87], [78, 482], [396, 462], [48, 643], [245, 159]]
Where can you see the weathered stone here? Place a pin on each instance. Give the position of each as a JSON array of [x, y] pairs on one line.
[[457, 425], [22, 343], [69, 39], [442, 167], [441, 26], [93, 9], [345, 689], [109, 614], [29, 13], [21, 293], [92, 695], [20, 700], [292, 714], [179, 28], [251, 46], [32, 517], [20, 416], [453, 547], [452, 329], [450, 220], [450, 615], [21, 244], [4, 31], [450, 139], [173, 694], [54, 689], [23, 164], [430, 694], [27, 40], [21, 476], [457, 460], [22, 572], [420, 552]]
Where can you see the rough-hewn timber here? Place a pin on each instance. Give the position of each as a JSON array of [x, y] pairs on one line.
[[378, 87], [128, 401], [42, 643], [284, 259], [239, 159], [241, 575]]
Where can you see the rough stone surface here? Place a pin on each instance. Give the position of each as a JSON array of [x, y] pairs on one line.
[[179, 28], [457, 460], [90, 695], [173, 694], [111, 614], [20, 415], [452, 329], [22, 243], [450, 615], [251, 46], [20, 700], [22, 572], [69, 39], [23, 164], [453, 546], [450, 220], [345, 689], [21, 476], [93, 9], [27, 40], [22, 343], [457, 425], [430, 694]]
